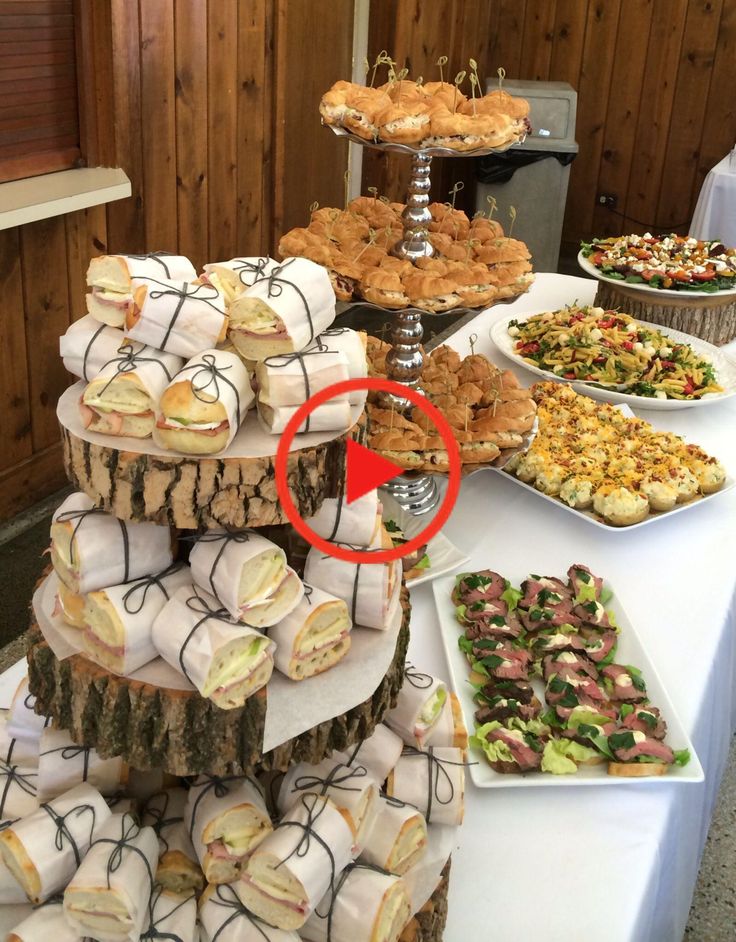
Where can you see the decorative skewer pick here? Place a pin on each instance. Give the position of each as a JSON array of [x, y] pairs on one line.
[[459, 79], [380, 59], [460, 185], [442, 62], [472, 340], [313, 207], [493, 206], [401, 75], [346, 178], [373, 190], [512, 217], [501, 72], [474, 81], [366, 68]]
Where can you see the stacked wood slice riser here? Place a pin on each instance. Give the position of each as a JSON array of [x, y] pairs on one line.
[[181, 732], [712, 319], [204, 492]]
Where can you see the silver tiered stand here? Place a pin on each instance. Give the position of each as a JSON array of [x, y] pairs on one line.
[[417, 493]]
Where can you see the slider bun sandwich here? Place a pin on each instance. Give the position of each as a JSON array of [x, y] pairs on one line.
[[384, 287], [202, 427], [110, 278], [405, 123], [430, 292]]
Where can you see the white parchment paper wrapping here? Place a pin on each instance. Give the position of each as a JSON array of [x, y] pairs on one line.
[[65, 641], [379, 753], [217, 560], [159, 265], [240, 273], [404, 719], [221, 905], [17, 751], [355, 908], [363, 586], [18, 791], [45, 924], [191, 649], [433, 781], [352, 344], [137, 603], [84, 811], [387, 829], [300, 294], [218, 376], [343, 522], [102, 544], [23, 721], [312, 866], [153, 368], [421, 881], [179, 316], [125, 868], [174, 916], [63, 764], [335, 416], [290, 380], [10, 890], [251, 441], [88, 345], [294, 707], [164, 812]]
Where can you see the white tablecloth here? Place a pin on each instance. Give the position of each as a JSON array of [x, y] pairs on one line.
[[715, 213], [613, 864]]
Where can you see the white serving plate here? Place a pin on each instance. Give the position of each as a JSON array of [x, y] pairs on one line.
[[630, 651], [590, 268], [652, 518], [444, 556], [724, 365]]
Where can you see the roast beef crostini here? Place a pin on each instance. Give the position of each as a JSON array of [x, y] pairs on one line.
[[480, 586], [624, 682]]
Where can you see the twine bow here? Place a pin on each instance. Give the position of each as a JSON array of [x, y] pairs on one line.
[[128, 361], [207, 613], [335, 778], [234, 902], [80, 516], [71, 752], [11, 774], [155, 257], [275, 285], [142, 587], [205, 293], [228, 537], [282, 361], [417, 678], [208, 373], [437, 776], [62, 830]]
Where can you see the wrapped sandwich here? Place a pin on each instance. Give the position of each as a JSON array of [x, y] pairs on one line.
[[201, 410], [62, 764], [350, 787], [369, 589], [283, 312], [352, 344], [366, 906], [119, 619], [11, 892], [332, 416], [23, 723], [88, 345], [418, 707], [223, 918], [43, 850], [226, 819], [179, 317], [123, 396], [45, 922], [91, 549], [398, 838], [287, 876], [109, 894], [291, 379], [178, 867], [172, 916], [225, 660], [247, 574], [450, 729], [357, 522], [378, 753], [313, 637], [111, 279], [233, 277], [433, 781], [21, 752]]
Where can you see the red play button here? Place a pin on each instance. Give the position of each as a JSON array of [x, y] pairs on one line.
[[366, 471]]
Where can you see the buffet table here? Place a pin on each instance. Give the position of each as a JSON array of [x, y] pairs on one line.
[[610, 864]]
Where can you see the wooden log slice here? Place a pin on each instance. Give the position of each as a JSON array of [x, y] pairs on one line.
[[180, 731], [428, 924], [710, 318], [195, 492]]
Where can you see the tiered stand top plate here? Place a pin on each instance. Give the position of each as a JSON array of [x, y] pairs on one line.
[[422, 151]]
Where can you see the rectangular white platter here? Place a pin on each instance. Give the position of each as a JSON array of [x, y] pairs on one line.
[[630, 651], [597, 521]]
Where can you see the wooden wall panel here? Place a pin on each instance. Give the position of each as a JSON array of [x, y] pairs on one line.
[[210, 107]]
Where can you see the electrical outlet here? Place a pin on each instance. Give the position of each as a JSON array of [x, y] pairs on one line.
[[609, 200]]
